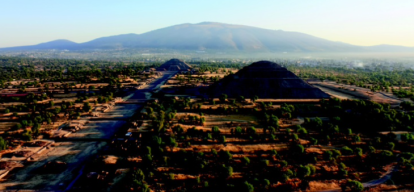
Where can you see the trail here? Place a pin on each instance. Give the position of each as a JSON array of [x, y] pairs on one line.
[[385, 177]]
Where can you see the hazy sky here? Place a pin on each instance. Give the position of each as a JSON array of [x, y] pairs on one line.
[[359, 22]]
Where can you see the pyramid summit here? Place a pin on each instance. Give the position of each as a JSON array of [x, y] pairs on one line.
[[266, 80], [174, 65]]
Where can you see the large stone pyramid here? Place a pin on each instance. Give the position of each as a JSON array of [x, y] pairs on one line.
[[174, 65], [266, 80]]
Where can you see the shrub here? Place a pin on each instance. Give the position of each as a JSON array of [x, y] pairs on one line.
[[346, 150], [245, 160], [247, 187], [298, 149], [353, 185]]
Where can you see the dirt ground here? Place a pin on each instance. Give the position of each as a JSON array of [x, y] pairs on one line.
[[235, 148], [4, 126], [319, 186], [344, 91]]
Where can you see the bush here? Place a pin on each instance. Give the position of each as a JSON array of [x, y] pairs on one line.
[[245, 160], [283, 163], [390, 146], [3, 144], [302, 131], [358, 152], [228, 171], [18, 126], [298, 149], [336, 153], [313, 141], [303, 171], [346, 150], [264, 163], [251, 130], [371, 149], [247, 187], [27, 136], [353, 185], [328, 155], [312, 169], [343, 172], [226, 155], [215, 130], [222, 139]]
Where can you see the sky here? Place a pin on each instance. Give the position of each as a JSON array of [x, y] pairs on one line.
[[358, 22]]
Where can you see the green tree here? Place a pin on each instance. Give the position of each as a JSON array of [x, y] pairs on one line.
[[371, 149], [251, 130], [245, 160], [57, 110], [228, 171], [353, 185], [223, 98], [36, 128], [172, 143], [302, 131], [18, 126], [283, 163], [336, 153], [358, 152], [215, 130], [222, 139], [312, 169], [86, 107], [27, 136], [49, 121], [346, 150], [298, 149], [356, 138], [51, 103], [238, 131], [328, 155], [303, 171], [313, 141], [138, 175], [226, 155], [390, 146], [3, 144], [247, 187]]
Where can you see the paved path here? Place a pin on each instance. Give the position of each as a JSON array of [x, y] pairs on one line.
[[140, 94], [385, 177]]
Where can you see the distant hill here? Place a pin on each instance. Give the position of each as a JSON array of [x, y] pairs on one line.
[[217, 36], [57, 44]]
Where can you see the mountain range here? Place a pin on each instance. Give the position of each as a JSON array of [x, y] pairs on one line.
[[216, 37]]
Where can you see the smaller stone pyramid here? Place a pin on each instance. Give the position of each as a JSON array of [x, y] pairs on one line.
[[174, 65]]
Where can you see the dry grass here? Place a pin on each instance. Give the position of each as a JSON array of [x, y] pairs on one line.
[[318, 186], [110, 159]]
